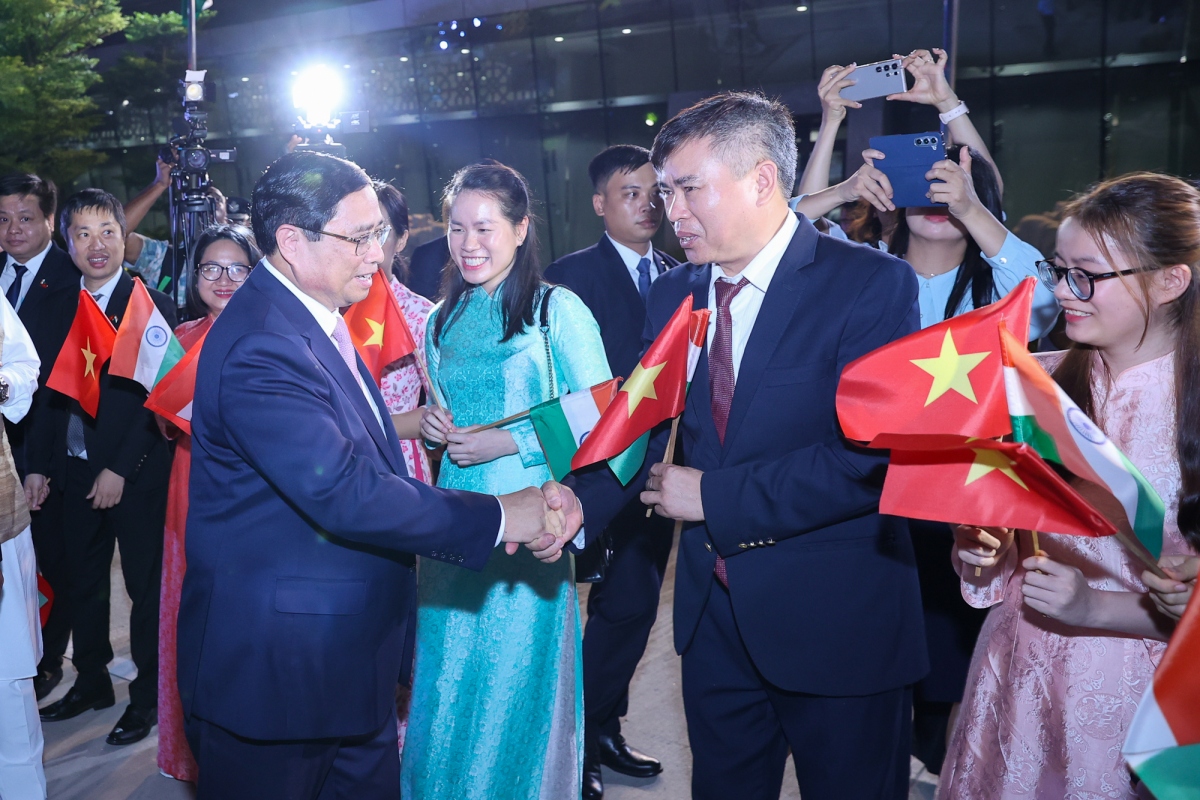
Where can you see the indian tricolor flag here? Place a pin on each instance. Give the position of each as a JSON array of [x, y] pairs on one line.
[[171, 399], [1163, 744], [1046, 418], [564, 422], [146, 349]]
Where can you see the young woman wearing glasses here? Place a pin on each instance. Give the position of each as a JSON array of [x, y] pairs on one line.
[[225, 254], [1072, 639]]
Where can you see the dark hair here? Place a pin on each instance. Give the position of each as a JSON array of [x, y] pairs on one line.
[[239, 235], [396, 207], [301, 189], [623, 158], [91, 200], [862, 224], [745, 128], [1154, 221], [24, 183], [510, 190], [975, 273]]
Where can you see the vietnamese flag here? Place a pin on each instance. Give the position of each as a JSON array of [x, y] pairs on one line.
[[654, 392], [88, 345], [982, 482], [945, 379], [378, 328], [172, 396]]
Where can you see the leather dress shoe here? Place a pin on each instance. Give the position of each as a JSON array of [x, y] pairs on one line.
[[620, 757], [76, 702], [45, 681], [134, 725], [593, 781]]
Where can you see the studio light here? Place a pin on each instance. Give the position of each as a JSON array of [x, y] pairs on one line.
[[317, 92]]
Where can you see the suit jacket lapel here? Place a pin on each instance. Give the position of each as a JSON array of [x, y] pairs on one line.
[[630, 297], [118, 301], [699, 401], [778, 307]]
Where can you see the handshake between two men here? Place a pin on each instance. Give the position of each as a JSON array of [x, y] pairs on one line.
[[544, 520]]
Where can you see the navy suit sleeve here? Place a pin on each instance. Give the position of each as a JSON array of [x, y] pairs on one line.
[[278, 414], [823, 484]]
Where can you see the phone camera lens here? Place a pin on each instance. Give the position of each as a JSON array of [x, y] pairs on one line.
[[879, 69]]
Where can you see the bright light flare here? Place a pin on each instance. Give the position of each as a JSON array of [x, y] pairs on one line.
[[317, 91]]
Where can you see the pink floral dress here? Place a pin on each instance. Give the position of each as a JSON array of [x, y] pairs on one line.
[[1048, 705], [401, 384]]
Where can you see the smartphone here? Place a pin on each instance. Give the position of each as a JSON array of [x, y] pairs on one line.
[[908, 157], [876, 80]]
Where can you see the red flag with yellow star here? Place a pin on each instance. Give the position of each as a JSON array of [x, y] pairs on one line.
[[89, 344], [378, 328], [945, 379], [654, 392], [982, 482]]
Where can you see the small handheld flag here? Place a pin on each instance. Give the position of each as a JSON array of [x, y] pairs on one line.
[[145, 348], [89, 344], [172, 398], [378, 328]]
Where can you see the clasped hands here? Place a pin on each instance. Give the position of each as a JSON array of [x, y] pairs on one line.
[[544, 520], [466, 447]]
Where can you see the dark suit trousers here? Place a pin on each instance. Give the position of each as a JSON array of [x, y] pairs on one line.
[[740, 726], [232, 767], [621, 611], [136, 523], [50, 547]]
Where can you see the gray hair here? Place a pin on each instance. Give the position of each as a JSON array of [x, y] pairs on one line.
[[744, 129]]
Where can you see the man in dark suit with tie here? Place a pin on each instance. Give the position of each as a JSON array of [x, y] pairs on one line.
[[35, 269], [613, 278], [111, 475], [303, 523], [797, 608]]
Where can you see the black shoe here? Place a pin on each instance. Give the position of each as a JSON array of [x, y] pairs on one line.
[[45, 681], [76, 702], [593, 781], [134, 725], [620, 757]]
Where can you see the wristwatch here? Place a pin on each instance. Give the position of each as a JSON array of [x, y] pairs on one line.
[[3, 390]]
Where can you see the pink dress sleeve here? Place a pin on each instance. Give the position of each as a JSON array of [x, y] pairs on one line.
[[401, 383]]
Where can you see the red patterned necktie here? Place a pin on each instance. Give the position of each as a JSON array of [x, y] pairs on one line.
[[720, 372]]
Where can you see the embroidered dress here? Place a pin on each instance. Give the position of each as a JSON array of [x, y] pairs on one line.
[[1048, 705], [401, 385], [497, 708]]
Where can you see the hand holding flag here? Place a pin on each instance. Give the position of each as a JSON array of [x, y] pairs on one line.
[[88, 346]]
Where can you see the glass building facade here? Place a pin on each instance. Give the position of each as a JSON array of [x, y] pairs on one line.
[[1065, 91]]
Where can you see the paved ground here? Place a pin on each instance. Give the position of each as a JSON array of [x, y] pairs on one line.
[[80, 766]]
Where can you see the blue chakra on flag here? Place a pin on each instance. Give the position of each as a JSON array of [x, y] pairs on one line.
[[156, 336], [1085, 427]]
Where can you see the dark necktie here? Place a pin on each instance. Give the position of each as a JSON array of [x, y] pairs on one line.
[[720, 372], [643, 269], [76, 444], [14, 292]]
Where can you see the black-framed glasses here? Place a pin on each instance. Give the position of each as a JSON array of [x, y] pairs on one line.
[[212, 271], [1081, 282], [361, 243]]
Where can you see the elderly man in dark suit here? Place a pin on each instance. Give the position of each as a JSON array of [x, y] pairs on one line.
[[613, 277], [303, 522], [797, 608]]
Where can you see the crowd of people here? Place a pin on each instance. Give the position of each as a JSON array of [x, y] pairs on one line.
[[318, 605]]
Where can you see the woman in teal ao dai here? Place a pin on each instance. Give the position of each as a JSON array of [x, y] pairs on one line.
[[497, 707]]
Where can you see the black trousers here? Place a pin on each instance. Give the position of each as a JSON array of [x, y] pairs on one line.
[[50, 547], [740, 727], [233, 767], [621, 611], [136, 524]]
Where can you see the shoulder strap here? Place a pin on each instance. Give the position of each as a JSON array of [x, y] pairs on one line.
[[544, 325], [544, 311]]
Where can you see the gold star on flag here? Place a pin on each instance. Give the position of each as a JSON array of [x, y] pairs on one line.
[[951, 370], [991, 461], [376, 337], [90, 367], [641, 384]]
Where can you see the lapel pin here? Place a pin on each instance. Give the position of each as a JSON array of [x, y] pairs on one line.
[[43, 284]]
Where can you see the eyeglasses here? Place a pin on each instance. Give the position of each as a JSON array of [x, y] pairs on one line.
[[361, 243], [1081, 282], [212, 271]]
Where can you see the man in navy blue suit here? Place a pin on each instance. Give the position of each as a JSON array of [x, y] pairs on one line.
[[797, 609], [613, 277], [303, 522]]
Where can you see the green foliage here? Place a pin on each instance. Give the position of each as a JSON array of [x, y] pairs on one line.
[[44, 76]]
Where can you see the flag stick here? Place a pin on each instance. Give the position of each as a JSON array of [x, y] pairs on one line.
[[500, 422], [1037, 548], [1139, 550], [433, 395], [668, 457]]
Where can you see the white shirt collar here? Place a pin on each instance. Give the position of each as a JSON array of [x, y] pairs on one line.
[[632, 257], [33, 264], [105, 291], [325, 318], [761, 269]]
